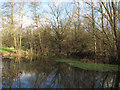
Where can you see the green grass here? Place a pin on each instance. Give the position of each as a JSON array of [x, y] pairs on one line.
[[4, 49], [90, 66]]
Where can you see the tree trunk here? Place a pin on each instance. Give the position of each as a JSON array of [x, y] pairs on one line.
[[93, 27]]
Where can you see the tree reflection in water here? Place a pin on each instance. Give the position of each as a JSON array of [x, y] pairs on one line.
[[47, 73]]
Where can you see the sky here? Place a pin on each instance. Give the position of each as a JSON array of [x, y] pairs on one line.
[[28, 11], [42, 9], [48, 0]]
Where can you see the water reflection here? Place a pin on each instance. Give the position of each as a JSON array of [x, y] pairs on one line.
[[47, 73]]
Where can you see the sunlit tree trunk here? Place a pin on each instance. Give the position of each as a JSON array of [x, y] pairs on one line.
[[78, 17], [93, 27], [36, 22], [12, 25], [21, 24]]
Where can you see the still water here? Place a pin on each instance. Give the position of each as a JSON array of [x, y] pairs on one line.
[[46, 73]]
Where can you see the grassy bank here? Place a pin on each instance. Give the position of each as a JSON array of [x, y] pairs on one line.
[[11, 52], [89, 66], [6, 49]]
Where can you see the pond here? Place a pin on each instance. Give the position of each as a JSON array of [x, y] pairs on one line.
[[46, 73]]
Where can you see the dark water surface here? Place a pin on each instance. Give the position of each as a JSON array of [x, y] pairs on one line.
[[46, 73]]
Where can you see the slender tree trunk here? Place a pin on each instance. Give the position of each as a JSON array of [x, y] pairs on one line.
[[19, 23], [12, 25], [36, 21], [78, 17], [20, 43], [93, 27], [115, 31]]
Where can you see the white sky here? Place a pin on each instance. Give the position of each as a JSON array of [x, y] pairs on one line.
[[48, 0], [27, 21]]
